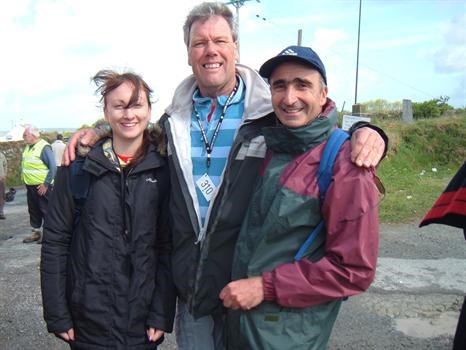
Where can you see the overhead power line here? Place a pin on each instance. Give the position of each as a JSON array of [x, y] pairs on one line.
[[238, 4], [286, 33]]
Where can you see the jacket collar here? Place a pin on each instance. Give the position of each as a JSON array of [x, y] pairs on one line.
[[256, 101], [97, 162]]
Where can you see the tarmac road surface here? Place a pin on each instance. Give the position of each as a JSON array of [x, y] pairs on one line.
[[413, 303]]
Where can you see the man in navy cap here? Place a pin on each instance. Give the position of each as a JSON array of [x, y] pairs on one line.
[[276, 300]]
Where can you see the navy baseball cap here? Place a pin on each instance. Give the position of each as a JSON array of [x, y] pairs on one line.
[[297, 54]]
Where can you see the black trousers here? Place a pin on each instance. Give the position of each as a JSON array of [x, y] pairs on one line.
[[37, 205], [459, 343], [2, 195]]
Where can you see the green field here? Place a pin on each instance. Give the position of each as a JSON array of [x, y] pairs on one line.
[[422, 158]]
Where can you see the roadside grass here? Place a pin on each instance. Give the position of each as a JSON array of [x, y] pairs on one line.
[[410, 193], [422, 159]]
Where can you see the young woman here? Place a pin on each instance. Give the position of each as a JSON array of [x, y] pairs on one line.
[[105, 263]]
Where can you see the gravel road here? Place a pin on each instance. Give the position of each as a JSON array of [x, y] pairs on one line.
[[413, 303]]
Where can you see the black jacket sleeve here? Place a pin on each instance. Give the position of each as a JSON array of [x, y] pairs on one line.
[[58, 228], [163, 305]]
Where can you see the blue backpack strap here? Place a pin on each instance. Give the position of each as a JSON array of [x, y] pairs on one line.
[[79, 181], [324, 177]]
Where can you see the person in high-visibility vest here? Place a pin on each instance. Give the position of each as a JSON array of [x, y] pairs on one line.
[[38, 171]]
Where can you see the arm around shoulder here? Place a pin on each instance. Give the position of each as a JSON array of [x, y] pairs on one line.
[[82, 140]]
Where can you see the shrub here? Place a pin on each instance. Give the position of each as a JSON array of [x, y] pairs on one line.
[[434, 108]]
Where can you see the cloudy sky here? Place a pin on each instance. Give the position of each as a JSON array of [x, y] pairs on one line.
[[409, 49]]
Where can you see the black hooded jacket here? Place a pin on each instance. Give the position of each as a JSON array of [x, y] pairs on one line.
[[109, 275]]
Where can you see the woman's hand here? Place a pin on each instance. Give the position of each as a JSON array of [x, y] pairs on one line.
[[154, 334], [84, 138], [66, 336]]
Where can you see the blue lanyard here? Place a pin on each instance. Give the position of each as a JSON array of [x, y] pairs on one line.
[[209, 146]]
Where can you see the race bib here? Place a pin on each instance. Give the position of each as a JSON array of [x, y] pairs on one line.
[[206, 186]]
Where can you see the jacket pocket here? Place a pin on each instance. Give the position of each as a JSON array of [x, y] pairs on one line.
[[270, 326]]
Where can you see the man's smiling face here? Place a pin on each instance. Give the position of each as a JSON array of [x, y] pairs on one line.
[[212, 54], [297, 94]]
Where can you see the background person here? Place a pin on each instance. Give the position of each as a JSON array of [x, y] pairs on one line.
[[38, 171], [275, 301], [58, 147], [213, 129], [105, 268], [3, 174], [450, 209]]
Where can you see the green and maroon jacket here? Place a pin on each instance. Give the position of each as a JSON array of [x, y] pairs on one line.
[[302, 298]]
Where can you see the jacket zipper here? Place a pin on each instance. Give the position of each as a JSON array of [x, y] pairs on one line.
[[124, 186], [225, 185]]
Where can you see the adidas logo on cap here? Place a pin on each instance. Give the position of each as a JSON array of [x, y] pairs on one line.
[[289, 52]]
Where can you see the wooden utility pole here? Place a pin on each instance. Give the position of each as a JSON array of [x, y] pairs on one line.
[[357, 57]]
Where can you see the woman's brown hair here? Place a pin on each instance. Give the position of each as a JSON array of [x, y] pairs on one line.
[[109, 80]]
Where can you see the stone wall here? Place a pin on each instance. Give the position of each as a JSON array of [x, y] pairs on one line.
[[13, 151]]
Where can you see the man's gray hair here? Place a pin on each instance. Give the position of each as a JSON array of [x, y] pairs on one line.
[[206, 10], [31, 129], [322, 83]]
